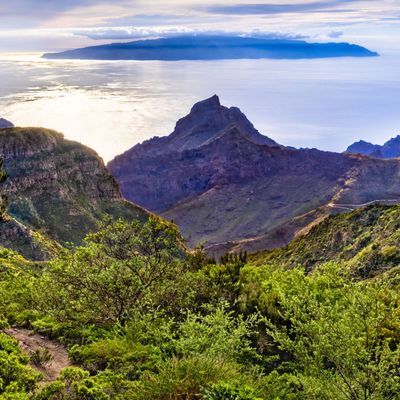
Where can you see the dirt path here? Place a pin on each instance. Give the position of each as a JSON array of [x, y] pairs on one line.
[[30, 342]]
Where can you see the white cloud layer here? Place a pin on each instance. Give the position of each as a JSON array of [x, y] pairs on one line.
[[56, 25]]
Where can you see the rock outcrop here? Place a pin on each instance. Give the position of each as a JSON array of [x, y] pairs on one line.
[[229, 187], [55, 187]]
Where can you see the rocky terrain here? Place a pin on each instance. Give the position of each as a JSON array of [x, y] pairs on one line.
[[57, 191], [390, 149], [229, 187]]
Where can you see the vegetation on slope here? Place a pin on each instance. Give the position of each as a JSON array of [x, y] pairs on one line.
[[365, 240], [57, 191], [145, 319]]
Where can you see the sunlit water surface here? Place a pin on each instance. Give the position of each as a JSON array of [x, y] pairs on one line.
[[110, 106]]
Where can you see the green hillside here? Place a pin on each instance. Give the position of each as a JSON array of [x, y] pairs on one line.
[[365, 240], [141, 318], [57, 190]]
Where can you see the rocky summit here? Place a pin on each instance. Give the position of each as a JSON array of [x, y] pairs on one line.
[[229, 187], [390, 149], [57, 191]]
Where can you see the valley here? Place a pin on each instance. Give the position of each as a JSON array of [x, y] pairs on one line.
[[103, 299]]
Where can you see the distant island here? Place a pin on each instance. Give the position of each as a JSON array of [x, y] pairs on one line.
[[213, 48]]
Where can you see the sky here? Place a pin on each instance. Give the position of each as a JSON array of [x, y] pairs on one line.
[[54, 25]]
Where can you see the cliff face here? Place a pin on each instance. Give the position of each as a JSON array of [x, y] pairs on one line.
[[57, 187], [230, 187]]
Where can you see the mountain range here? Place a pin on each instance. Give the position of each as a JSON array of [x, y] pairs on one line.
[[230, 188], [205, 47], [225, 184], [390, 149]]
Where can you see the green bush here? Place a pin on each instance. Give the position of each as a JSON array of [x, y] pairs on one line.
[[229, 391], [15, 376]]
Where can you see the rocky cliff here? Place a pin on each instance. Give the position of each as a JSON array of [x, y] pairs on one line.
[[229, 187], [56, 188]]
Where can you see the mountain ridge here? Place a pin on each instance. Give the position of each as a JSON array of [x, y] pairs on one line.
[[231, 192], [390, 149], [57, 190]]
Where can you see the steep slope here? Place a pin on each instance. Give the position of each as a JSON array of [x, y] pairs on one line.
[[230, 187], [56, 188], [31, 244], [391, 149], [365, 240], [206, 47]]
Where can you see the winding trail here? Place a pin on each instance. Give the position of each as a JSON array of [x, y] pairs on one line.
[[30, 342], [355, 206]]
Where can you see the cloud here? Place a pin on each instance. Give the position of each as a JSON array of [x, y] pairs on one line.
[[270, 9], [126, 33], [391, 19], [29, 13], [150, 20], [335, 34], [17, 8]]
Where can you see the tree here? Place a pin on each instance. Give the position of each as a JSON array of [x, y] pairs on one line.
[[120, 268], [339, 334]]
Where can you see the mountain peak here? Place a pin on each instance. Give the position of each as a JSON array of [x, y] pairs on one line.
[[212, 103], [396, 139], [206, 120], [204, 123], [4, 123]]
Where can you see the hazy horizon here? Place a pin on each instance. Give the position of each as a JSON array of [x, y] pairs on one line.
[[326, 104], [111, 106]]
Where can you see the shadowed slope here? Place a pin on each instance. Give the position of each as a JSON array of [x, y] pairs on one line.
[[229, 187]]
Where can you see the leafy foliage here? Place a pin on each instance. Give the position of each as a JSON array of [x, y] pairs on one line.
[[365, 241], [144, 318]]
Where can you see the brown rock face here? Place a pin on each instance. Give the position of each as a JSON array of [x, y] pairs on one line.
[[57, 187], [235, 188]]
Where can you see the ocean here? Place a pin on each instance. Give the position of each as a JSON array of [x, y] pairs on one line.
[[111, 106]]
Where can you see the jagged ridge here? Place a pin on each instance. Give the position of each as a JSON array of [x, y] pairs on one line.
[[390, 149], [230, 187]]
